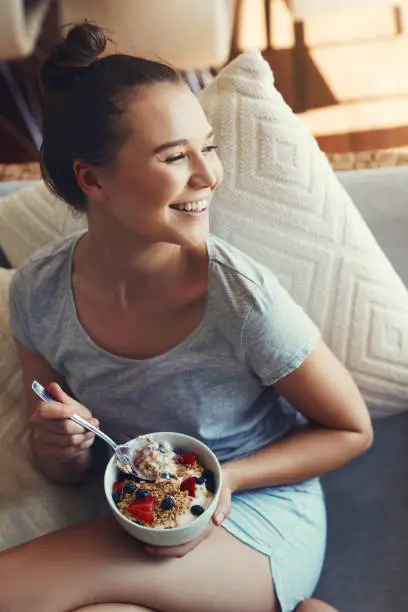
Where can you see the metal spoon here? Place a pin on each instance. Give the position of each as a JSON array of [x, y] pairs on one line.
[[122, 451]]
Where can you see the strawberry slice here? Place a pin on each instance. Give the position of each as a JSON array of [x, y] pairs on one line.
[[118, 486], [188, 458], [189, 484], [143, 515], [142, 509]]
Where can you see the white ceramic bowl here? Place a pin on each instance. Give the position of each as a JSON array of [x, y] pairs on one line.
[[176, 535]]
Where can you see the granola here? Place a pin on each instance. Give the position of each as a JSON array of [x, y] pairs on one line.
[[172, 499]]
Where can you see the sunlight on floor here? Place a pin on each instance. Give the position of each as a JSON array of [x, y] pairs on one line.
[[358, 57], [360, 71], [357, 116]]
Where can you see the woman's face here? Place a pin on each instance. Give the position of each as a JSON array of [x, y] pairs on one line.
[[163, 178]]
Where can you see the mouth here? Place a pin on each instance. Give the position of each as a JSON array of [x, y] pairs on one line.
[[194, 209]]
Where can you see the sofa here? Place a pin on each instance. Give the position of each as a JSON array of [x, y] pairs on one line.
[[367, 553]]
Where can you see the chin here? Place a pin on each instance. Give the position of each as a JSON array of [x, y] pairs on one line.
[[192, 237]]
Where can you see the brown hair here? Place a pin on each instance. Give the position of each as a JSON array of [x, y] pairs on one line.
[[84, 113]]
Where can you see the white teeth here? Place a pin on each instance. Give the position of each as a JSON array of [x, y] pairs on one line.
[[192, 206]]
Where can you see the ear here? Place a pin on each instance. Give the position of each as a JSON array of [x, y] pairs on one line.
[[89, 181]]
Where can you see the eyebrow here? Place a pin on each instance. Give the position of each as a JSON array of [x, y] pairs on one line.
[[175, 143]]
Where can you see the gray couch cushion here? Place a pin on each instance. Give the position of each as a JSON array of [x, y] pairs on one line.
[[366, 568], [381, 195]]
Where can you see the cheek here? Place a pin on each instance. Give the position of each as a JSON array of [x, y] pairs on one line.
[[155, 184]]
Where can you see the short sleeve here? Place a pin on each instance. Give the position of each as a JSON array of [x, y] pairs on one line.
[[277, 335], [19, 307]]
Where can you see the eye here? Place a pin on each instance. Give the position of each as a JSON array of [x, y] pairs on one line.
[[210, 148], [181, 156], [175, 158]]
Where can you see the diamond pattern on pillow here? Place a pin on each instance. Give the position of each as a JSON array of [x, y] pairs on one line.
[[281, 203]]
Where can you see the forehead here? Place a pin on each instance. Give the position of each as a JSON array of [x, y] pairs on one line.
[[165, 112]]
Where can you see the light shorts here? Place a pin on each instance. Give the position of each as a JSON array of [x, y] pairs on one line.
[[288, 524]]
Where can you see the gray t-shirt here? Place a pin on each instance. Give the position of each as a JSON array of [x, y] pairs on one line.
[[216, 385]]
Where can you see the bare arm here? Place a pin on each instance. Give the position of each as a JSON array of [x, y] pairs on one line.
[[324, 392], [61, 448]]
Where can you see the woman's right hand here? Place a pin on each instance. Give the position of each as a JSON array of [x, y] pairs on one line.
[[54, 434]]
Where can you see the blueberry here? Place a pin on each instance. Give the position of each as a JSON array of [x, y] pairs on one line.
[[141, 493], [116, 497], [210, 484], [200, 480], [196, 510], [130, 487], [177, 451], [125, 476], [207, 474], [209, 478], [167, 503], [162, 448], [167, 475], [122, 476]]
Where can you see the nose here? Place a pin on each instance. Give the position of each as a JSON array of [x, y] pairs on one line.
[[203, 173]]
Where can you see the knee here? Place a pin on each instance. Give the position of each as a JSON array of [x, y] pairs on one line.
[[315, 605]]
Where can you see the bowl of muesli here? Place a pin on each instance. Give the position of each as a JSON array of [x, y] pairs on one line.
[[179, 495]]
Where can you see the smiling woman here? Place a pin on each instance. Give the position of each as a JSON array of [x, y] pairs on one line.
[[119, 149], [151, 324]]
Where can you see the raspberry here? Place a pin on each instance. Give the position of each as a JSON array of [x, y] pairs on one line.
[[188, 458], [118, 486], [189, 484]]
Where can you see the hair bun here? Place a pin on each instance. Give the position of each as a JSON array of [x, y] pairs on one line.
[[83, 45]]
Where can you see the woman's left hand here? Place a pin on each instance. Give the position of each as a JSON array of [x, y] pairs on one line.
[[221, 513]]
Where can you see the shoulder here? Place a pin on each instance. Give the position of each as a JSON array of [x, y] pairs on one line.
[[252, 291], [276, 335], [40, 280], [38, 292], [239, 273]]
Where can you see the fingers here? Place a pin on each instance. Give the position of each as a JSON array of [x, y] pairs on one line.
[[54, 433], [224, 507], [56, 418], [66, 401], [57, 439], [64, 453], [179, 551], [56, 391]]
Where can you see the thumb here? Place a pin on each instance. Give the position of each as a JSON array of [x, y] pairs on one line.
[[60, 396], [56, 391], [224, 506]]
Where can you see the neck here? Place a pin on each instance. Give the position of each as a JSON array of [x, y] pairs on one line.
[[122, 258]]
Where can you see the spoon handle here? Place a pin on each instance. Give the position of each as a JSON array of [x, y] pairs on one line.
[[95, 430], [46, 397]]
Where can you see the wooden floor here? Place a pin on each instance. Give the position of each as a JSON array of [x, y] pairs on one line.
[[346, 75]]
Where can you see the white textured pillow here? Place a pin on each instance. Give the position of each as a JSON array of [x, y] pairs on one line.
[[30, 504], [31, 218], [282, 203]]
